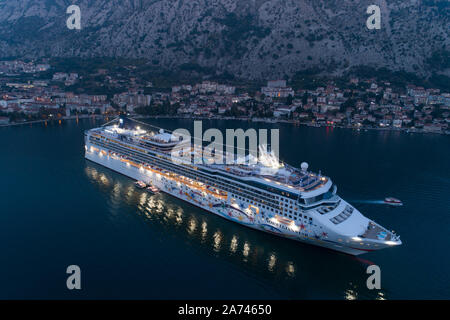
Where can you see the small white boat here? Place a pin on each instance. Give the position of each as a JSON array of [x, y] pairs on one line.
[[152, 189], [140, 184], [393, 202]]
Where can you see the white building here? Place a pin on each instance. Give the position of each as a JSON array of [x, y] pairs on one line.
[[397, 123], [277, 89], [283, 111]]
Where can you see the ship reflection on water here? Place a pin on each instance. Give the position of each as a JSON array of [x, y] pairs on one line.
[[293, 269]]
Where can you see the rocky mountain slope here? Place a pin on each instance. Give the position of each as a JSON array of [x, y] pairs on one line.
[[249, 38]]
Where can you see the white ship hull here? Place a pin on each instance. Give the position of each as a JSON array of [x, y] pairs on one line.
[[221, 208]]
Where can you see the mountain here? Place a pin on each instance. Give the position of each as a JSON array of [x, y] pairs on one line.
[[249, 38]]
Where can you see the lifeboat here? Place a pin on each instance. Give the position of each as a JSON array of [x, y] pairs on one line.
[[140, 184], [152, 189]]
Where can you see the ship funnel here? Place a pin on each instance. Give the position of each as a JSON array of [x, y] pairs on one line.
[[304, 166]]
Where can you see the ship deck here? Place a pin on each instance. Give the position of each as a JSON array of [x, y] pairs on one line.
[[374, 232], [291, 177]]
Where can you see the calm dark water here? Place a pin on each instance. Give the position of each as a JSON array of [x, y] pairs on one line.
[[57, 209]]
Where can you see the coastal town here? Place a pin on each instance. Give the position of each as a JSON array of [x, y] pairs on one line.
[[31, 91]]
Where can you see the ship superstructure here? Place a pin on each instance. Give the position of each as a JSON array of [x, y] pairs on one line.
[[267, 195]]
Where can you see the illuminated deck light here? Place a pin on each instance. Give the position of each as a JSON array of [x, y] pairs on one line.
[[391, 243]]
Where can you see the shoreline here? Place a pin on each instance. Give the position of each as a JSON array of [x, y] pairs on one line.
[[294, 122], [261, 120], [13, 124]]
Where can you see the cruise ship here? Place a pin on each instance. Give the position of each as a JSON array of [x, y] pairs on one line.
[[289, 202]]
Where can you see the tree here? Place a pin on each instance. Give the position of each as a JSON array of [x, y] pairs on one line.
[[350, 103], [305, 98], [289, 100]]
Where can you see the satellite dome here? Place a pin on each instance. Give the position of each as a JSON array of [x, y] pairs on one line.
[[304, 166], [161, 130]]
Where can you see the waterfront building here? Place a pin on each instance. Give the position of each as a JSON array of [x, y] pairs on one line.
[[277, 89]]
